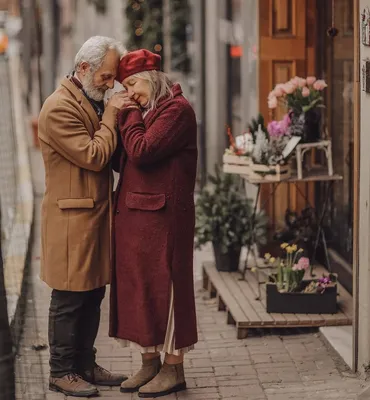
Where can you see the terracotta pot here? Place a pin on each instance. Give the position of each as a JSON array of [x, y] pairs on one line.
[[34, 124]]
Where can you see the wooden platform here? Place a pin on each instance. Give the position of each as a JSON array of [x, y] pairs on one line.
[[238, 298]]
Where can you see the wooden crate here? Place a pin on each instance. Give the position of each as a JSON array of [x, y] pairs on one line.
[[239, 298], [233, 164], [271, 173]]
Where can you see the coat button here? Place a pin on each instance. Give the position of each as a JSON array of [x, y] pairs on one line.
[[117, 211]]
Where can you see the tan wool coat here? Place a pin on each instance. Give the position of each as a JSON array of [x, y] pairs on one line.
[[76, 209]]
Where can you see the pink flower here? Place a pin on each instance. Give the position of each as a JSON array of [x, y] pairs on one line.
[[289, 88], [272, 102], [320, 85], [279, 92], [302, 264], [302, 82], [311, 80], [305, 92], [295, 81]]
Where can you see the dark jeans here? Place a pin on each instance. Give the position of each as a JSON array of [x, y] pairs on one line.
[[74, 319]]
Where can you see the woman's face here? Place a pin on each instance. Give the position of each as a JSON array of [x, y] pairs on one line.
[[138, 89]]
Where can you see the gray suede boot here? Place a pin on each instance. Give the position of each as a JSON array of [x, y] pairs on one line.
[[148, 370], [171, 379]]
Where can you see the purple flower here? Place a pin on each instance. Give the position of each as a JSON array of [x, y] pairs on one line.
[[279, 128], [325, 280], [285, 123]]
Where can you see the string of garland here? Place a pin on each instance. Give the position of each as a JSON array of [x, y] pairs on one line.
[[145, 22]]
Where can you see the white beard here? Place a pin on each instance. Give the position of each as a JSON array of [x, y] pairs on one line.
[[93, 92]]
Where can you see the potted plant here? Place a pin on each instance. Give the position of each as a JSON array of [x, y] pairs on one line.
[[288, 292], [224, 217], [303, 100]]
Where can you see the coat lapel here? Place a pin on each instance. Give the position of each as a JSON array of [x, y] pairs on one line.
[[82, 100]]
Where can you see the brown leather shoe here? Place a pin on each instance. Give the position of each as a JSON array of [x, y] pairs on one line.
[[171, 379], [100, 376], [72, 385], [147, 372]]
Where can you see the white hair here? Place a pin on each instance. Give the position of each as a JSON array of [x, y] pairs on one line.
[[94, 50], [160, 86]]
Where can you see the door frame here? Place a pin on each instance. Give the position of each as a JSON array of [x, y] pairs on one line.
[[356, 183]]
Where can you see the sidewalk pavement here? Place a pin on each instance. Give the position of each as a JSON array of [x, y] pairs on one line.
[[268, 365]]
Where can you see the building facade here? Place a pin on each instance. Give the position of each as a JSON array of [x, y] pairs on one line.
[[245, 47]]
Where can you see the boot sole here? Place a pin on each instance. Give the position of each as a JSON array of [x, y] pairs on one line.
[[57, 389], [175, 389]]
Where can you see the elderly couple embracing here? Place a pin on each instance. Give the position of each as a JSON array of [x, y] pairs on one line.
[[140, 239]]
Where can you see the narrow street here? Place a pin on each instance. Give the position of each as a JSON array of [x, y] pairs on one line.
[[268, 365]]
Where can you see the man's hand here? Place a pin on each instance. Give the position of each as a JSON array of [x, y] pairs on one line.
[[121, 100]]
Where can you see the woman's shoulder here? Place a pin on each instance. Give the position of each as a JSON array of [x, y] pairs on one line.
[[180, 102]]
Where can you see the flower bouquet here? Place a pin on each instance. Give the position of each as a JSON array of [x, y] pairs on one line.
[[303, 100]]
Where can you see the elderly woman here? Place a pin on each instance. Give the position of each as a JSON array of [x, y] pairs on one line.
[[152, 294]]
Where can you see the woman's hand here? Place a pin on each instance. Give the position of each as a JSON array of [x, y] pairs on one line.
[[121, 100], [128, 102]]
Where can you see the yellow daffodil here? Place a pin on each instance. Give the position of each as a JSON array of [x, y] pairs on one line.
[[300, 251], [284, 245], [289, 249], [267, 256], [294, 247], [272, 260]]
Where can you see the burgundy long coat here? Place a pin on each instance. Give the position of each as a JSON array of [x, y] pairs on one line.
[[154, 225]]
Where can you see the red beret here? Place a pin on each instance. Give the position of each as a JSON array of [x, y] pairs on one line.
[[138, 61]]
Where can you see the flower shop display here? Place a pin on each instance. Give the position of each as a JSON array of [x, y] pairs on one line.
[[303, 99], [268, 162], [259, 154], [223, 218], [288, 292]]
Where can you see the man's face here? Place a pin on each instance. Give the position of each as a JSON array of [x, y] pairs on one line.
[[97, 83]]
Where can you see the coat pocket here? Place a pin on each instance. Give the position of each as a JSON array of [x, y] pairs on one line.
[[146, 202], [64, 204]]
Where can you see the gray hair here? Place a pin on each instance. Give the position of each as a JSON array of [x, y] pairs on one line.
[[94, 50], [160, 86]]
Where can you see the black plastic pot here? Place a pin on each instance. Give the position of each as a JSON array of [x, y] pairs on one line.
[[228, 262], [301, 303]]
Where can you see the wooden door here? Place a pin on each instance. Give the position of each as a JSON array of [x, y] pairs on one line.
[[286, 49]]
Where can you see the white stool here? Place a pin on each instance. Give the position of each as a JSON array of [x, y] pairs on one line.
[[321, 145]]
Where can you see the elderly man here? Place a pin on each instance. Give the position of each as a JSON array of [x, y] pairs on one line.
[[77, 138]]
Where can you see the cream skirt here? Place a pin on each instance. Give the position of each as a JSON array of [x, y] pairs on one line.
[[169, 341]]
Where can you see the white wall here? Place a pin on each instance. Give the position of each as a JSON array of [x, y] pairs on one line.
[[90, 23], [364, 223]]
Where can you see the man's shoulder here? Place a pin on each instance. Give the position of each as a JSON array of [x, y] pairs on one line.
[[61, 97]]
